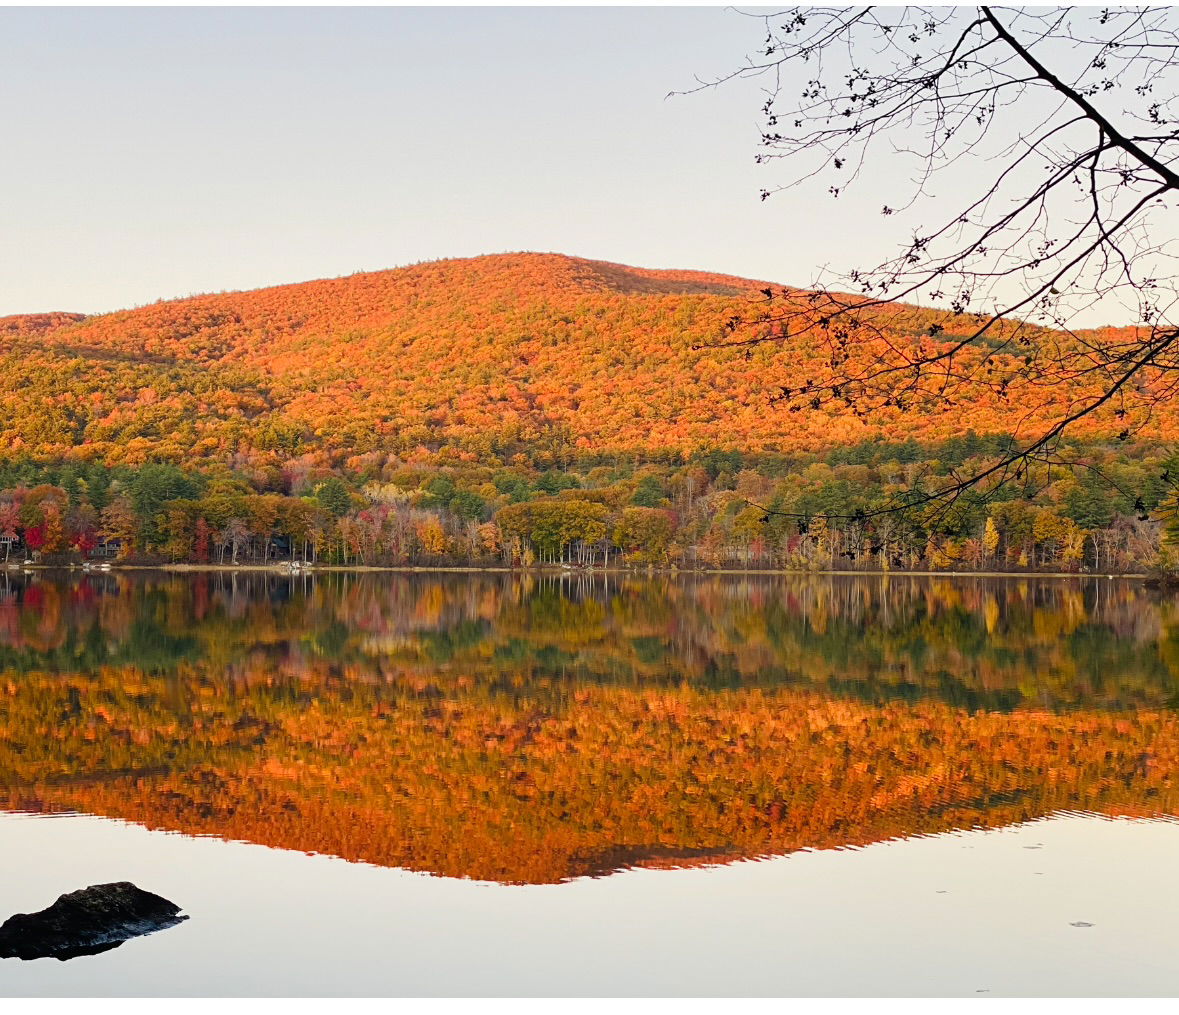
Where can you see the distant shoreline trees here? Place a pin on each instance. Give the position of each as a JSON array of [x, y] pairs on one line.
[[713, 510]]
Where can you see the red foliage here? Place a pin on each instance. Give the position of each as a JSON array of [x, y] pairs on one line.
[[200, 549]]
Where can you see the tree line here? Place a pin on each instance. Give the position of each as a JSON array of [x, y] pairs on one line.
[[1113, 512]]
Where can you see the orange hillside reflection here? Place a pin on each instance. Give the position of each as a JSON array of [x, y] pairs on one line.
[[530, 731]]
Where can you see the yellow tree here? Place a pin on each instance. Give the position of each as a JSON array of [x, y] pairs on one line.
[[432, 537], [990, 539], [645, 533]]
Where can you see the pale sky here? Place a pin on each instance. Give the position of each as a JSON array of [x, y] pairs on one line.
[[155, 153]]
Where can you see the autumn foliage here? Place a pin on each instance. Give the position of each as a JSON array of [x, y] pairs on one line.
[[477, 360]]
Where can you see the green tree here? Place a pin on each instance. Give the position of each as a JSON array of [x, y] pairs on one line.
[[468, 505], [332, 495], [649, 493], [1091, 503], [154, 486]]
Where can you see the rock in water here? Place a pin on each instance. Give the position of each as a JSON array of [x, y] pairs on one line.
[[86, 922]]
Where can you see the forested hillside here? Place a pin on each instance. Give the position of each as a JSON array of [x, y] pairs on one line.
[[523, 408], [484, 358]]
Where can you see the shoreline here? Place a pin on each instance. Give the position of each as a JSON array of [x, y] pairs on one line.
[[284, 569]]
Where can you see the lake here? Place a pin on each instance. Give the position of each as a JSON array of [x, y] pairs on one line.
[[596, 785]]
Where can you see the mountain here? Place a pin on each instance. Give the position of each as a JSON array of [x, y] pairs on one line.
[[479, 359]]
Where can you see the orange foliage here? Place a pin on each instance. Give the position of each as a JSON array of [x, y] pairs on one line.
[[26, 325], [481, 357], [490, 789]]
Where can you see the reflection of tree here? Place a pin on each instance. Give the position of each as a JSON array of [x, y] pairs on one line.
[[975, 644]]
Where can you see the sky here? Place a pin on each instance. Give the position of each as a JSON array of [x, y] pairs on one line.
[[151, 154], [156, 153]]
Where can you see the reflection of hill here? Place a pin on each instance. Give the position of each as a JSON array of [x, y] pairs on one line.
[[524, 788], [529, 730]]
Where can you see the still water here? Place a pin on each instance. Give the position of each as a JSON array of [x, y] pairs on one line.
[[454, 784]]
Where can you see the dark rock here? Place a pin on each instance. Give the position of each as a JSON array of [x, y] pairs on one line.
[[86, 922]]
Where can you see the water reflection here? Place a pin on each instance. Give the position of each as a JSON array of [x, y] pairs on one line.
[[531, 730]]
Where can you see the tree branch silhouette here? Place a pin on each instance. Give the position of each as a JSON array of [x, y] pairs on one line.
[[1057, 130]]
